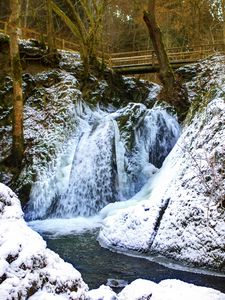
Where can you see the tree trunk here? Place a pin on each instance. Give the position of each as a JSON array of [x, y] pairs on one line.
[[17, 119], [172, 92], [26, 13], [50, 30], [223, 12], [166, 73]]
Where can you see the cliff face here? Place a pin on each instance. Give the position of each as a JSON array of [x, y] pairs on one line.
[[181, 212]]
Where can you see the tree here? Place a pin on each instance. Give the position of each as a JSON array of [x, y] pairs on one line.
[[223, 15], [52, 50], [172, 92], [86, 24], [166, 73], [17, 119]]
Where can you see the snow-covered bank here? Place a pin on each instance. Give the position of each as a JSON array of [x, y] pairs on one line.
[[26, 265], [181, 214], [28, 270]]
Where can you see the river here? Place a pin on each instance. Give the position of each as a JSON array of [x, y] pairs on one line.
[[98, 264]]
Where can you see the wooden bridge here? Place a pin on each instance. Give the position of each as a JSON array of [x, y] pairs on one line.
[[135, 62], [141, 62]]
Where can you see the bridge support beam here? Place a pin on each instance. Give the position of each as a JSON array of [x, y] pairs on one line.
[[144, 69]]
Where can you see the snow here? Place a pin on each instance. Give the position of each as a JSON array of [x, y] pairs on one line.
[[134, 227], [28, 270], [47, 296], [48, 126], [154, 91], [103, 293], [167, 290], [170, 289], [26, 265], [179, 212], [186, 231]]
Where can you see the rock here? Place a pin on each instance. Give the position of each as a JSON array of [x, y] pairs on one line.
[[191, 228], [116, 283], [170, 289], [27, 267], [102, 293], [185, 232]]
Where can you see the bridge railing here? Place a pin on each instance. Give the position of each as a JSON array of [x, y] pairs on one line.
[[177, 54], [27, 33], [174, 54]]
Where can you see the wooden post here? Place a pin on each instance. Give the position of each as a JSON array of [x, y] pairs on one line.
[[5, 27], [153, 58], [110, 61]]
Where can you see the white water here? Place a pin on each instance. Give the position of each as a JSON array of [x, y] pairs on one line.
[[96, 167], [150, 192], [93, 176]]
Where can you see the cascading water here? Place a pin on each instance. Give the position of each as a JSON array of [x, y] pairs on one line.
[[110, 157], [148, 136], [93, 176]]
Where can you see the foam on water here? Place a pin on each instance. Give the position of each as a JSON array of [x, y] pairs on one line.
[[62, 227]]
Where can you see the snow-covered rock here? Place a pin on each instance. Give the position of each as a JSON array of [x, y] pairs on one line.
[[170, 289], [180, 213], [141, 289], [193, 227], [27, 268], [103, 293]]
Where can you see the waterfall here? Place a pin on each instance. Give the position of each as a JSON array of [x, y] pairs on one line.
[[93, 176], [153, 136], [109, 158]]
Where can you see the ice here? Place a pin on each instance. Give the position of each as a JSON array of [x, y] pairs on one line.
[[57, 227]]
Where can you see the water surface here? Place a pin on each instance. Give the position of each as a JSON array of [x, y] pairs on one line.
[[98, 264]]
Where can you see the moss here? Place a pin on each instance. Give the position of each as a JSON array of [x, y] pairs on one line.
[[200, 102], [17, 70]]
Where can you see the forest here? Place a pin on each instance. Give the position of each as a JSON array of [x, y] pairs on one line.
[[183, 23], [112, 149]]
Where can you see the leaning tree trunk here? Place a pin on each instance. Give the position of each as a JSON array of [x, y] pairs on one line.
[[172, 92], [17, 119], [166, 73]]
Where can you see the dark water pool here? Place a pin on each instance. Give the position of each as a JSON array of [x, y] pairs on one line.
[[97, 264]]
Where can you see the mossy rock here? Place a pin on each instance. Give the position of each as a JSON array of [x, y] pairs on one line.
[[200, 102], [128, 119]]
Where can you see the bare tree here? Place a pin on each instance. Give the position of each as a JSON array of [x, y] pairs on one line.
[[86, 25], [52, 51], [166, 73], [172, 92], [17, 120]]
